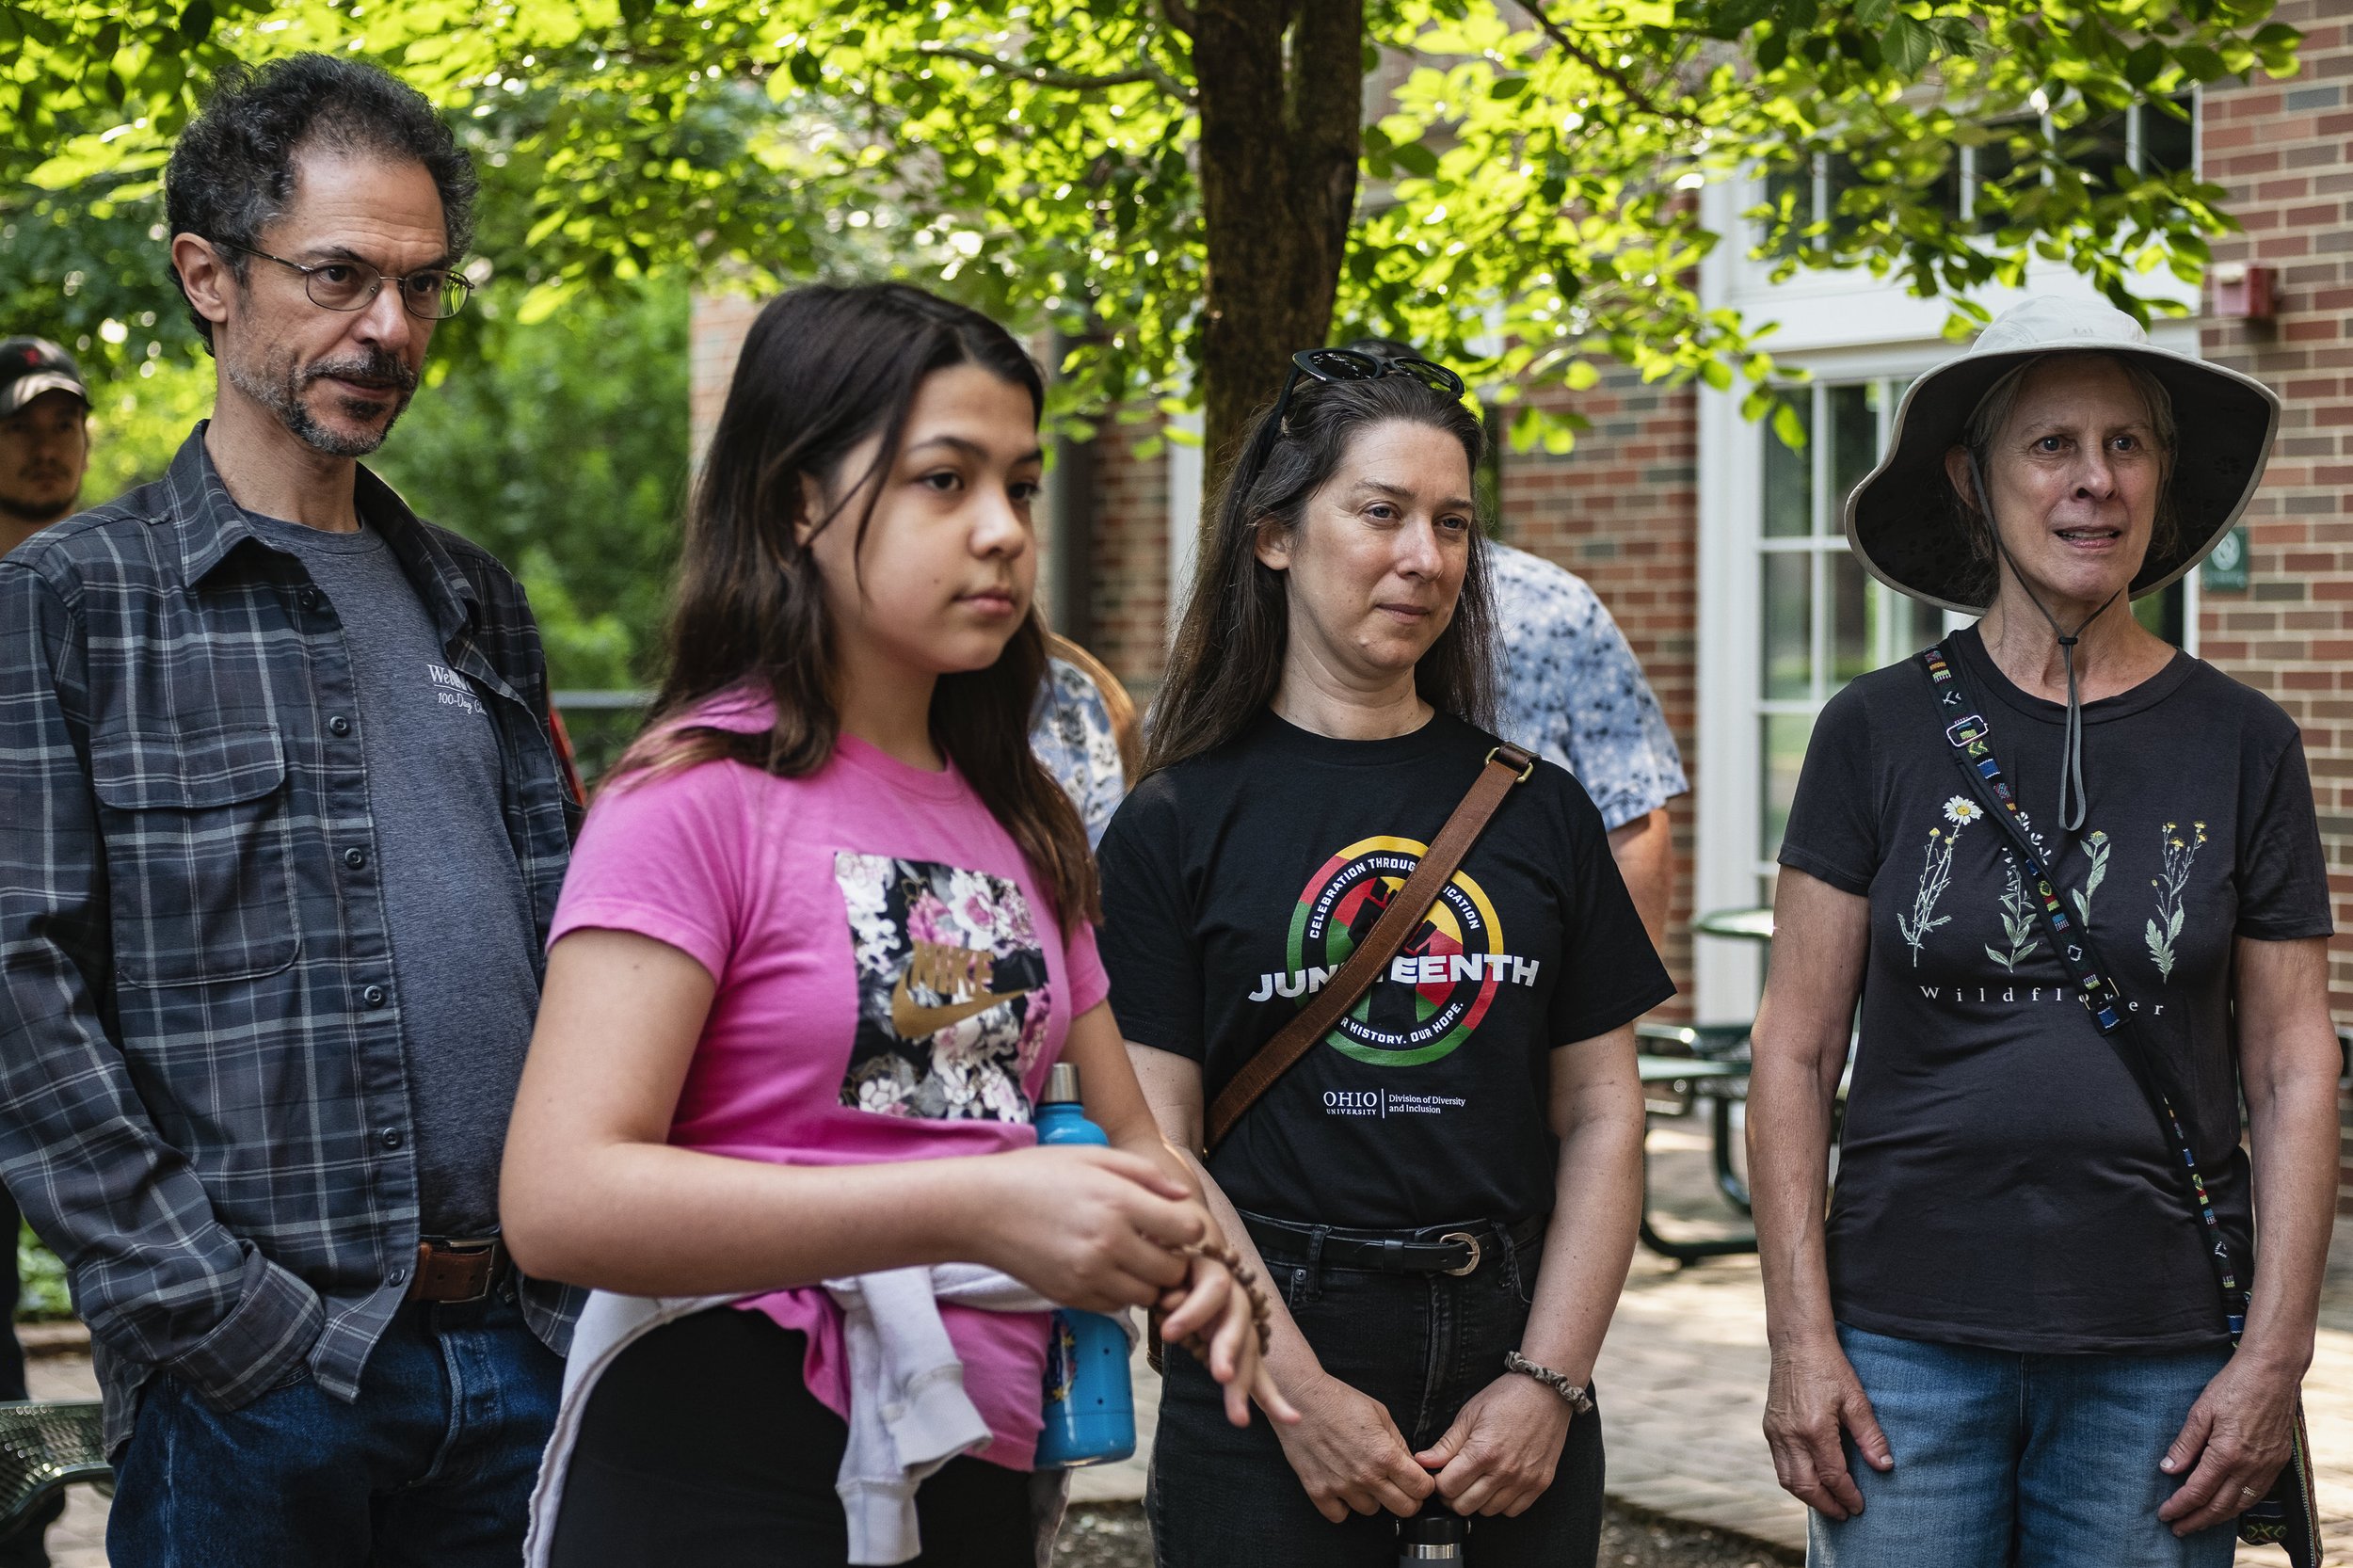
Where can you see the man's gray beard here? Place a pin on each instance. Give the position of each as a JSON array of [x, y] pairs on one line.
[[282, 396]]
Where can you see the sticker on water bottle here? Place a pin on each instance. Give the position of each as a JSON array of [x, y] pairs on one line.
[[1061, 1359]]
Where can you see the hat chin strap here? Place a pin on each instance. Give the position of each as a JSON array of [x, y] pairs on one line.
[[2074, 801]]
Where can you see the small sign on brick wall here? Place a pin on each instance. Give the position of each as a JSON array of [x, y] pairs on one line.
[[2225, 570]]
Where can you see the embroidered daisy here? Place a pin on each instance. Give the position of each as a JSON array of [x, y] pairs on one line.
[[1960, 810]]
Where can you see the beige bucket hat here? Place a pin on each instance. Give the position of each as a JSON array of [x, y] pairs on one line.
[[1899, 520]]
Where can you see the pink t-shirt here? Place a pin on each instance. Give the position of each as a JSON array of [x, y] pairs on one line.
[[892, 986]]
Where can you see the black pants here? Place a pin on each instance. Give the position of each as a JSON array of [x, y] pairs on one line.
[[1422, 1345], [702, 1445]]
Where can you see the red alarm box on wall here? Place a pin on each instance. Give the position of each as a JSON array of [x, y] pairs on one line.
[[2245, 293]]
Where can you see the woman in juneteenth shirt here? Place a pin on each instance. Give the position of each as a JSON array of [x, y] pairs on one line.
[[825, 932], [2009, 1344], [1445, 1188]]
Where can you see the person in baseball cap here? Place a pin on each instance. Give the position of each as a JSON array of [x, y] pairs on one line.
[[44, 437]]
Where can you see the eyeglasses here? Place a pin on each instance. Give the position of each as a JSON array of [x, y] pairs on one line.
[[433, 293]]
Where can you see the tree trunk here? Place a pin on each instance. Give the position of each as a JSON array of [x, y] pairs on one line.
[[1282, 89]]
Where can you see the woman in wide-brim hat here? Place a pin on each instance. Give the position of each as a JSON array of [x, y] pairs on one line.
[[2005, 1345]]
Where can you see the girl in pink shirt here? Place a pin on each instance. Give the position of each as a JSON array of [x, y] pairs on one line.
[[825, 932]]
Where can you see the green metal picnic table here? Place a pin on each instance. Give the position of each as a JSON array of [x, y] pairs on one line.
[[1682, 1064]]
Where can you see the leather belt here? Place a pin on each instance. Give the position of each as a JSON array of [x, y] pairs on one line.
[[1459, 1250], [451, 1271]]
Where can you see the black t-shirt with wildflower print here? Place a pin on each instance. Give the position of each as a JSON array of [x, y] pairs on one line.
[[2002, 1181]]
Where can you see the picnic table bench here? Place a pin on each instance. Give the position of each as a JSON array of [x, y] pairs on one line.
[[1679, 1064], [1682, 1064]]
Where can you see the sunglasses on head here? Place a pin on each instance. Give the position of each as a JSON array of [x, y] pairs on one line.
[[1341, 364], [1347, 365]]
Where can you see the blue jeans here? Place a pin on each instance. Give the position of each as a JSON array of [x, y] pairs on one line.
[[432, 1466], [1422, 1345], [2013, 1461]]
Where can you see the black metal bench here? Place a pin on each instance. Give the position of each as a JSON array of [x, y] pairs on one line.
[[46, 1445], [1680, 1064]]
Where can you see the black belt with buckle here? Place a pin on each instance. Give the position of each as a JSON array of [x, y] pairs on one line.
[[1458, 1250], [454, 1270]]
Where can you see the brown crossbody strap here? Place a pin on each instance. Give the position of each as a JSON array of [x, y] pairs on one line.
[[1507, 765]]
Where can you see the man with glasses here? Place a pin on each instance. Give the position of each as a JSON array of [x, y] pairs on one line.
[[285, 833]]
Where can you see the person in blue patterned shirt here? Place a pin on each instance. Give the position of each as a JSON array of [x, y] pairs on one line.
[[1084, 731], [1572, 693]]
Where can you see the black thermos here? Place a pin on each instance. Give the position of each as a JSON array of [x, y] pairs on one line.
[[1436, 1534]]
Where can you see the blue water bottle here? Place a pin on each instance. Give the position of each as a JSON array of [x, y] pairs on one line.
[[1090, 1402]]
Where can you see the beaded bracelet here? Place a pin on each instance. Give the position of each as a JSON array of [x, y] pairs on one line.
[[1579, 1400], [1261, 1310]]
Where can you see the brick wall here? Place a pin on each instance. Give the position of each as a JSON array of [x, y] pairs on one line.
[[1128, 572], [2284, 151], [720, 321], [1622, 511]]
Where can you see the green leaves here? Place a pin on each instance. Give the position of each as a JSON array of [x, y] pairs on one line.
[[1528, 204], [1906, 45]]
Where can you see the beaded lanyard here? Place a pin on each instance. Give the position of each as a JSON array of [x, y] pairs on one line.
[[2274, 1518], [1967, 737]]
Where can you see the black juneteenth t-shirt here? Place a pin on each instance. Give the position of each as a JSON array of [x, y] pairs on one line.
[[2002, 1181], [1236, 882]]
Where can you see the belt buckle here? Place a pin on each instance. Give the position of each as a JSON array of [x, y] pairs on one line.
[[1469, 1241], [1961, 732], [459, 1253]]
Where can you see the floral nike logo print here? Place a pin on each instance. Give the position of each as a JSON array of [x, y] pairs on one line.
[[944, 971]]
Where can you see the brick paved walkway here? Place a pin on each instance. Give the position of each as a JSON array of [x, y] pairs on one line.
[[1682, 1384]]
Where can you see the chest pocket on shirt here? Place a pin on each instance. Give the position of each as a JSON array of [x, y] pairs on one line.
[[199, 853]]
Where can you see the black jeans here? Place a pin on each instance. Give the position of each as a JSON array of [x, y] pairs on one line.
[[702, 1445], [1422, 1345]]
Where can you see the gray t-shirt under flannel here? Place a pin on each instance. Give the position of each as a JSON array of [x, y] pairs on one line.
[[459, 917]]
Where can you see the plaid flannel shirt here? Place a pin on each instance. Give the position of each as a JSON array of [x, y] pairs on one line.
[[203, 1101]]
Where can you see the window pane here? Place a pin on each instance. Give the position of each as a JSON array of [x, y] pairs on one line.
[[1840, 176], [1783, 753], [2098, 147], [1854, 443], [1788, 621], [1796, 186], [1853, 607], [2164, 613], [1922, 625], [1998, 163], [1789, 474], [1945, 190], [2167, 144]]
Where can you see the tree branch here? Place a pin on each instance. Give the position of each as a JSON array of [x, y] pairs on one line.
[[1568, 45], [1181, 16], [1066, 81]]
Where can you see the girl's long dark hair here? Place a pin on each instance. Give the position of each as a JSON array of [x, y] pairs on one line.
[[1228, 658], [821, 370]]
